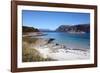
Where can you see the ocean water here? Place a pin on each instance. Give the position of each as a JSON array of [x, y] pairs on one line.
[[77, 41]]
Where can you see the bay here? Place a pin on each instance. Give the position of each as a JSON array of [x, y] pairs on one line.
[[71, 40]]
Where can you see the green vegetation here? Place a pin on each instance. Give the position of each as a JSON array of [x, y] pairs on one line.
[[29, 29], [29, 40], [31, 54]]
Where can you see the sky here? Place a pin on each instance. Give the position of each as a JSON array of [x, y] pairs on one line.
[[52, 20]]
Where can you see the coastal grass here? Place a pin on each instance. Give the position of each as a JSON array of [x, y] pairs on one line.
[[29, 40], [31, 54]]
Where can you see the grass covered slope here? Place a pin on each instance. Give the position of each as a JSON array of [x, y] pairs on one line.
[[30, 54], [29, 29]]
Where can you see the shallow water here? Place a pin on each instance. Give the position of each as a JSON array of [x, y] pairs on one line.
[[71, 40]]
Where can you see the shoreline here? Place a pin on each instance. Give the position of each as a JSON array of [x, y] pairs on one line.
[[69, 42], [55, 51]]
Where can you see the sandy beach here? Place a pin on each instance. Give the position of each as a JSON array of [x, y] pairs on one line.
[[49, 50]]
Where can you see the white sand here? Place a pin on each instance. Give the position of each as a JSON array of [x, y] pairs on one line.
[[57, 52], [62, 54]]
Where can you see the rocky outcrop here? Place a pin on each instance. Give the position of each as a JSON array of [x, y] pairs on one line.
[[74, 28], [29, 29]]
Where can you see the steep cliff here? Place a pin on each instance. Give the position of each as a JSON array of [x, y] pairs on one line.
[[74, 28]]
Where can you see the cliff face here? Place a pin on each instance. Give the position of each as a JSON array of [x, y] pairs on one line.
[[74, 28], [29, 29]]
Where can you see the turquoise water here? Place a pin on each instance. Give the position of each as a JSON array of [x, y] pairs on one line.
[[69, 39]]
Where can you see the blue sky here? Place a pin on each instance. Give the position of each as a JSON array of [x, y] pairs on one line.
[[52, 20]]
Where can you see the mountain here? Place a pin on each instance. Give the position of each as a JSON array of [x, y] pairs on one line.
[[74, 28], [45, 30], [29, 29]]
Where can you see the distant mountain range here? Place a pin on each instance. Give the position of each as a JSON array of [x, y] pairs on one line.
[[62, 28], [44, 30], [74, 28]]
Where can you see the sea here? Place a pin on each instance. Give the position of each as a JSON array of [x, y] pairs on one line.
[[71, 40]]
